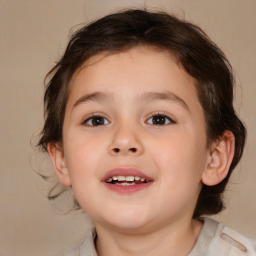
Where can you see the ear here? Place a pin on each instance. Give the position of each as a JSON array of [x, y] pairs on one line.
[[219, 160], [56, 154]]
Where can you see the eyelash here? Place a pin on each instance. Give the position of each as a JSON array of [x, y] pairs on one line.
[[94, 116], [102, 118], [169, 119]]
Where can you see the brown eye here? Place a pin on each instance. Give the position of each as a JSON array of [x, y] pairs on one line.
[[96, 121], [159, 120]]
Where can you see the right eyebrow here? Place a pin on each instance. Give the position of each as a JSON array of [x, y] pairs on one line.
[[96, 96]]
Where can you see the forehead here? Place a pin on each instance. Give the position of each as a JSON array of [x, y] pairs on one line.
[[140, 68]]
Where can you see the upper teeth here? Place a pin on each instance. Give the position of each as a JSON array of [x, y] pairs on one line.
[[126, 178]]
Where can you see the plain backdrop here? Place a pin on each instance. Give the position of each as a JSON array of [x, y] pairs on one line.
[[33, 35]]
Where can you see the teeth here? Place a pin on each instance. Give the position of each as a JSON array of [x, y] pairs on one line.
[[125, 184], [126, 178], [121, 178], [129, 178]]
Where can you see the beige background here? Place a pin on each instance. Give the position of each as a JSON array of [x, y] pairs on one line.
[[33, 34]]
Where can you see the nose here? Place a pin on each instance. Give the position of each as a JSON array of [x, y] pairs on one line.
[[126, 141]]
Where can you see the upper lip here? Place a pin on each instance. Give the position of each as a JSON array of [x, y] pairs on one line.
[[125, 171]]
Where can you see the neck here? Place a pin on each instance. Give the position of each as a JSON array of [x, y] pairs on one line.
[[178, 239]]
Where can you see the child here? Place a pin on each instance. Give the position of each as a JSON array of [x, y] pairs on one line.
[[140, 124]]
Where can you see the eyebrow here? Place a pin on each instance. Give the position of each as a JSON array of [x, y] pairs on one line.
[[96, 96], [166, 95], [146, 96]]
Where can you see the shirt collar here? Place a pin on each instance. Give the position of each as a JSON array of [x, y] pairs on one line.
[[207, 232]]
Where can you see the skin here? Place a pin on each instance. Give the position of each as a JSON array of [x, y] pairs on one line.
[[156, 220]]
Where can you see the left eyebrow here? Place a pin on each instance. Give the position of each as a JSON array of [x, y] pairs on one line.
[[166, 95]]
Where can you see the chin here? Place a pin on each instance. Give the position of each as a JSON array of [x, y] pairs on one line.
[[126, 221], [129, 227]]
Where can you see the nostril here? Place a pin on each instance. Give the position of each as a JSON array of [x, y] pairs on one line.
[[118, 150]]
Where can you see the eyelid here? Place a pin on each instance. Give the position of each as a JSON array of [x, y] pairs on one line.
[[171, 119], [87, 118], [159, 113]]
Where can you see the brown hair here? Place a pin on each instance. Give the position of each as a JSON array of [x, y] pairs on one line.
[[193, 50]]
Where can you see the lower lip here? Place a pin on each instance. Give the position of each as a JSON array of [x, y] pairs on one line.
[[129, 189]]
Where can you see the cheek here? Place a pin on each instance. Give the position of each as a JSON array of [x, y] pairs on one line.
[[182, 157], [180, 165], [83, 155]]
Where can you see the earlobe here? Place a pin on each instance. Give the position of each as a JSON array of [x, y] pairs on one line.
[[56, 154], [219, 159]]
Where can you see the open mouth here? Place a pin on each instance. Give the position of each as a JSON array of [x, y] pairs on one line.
[[126, 180]]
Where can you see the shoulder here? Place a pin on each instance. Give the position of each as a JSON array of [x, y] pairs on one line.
[[84, 248], [73, 251], [227, 241]]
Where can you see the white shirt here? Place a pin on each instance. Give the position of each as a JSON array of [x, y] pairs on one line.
[[215, 239]]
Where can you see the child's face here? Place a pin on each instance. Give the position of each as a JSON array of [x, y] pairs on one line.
[[148, 123]]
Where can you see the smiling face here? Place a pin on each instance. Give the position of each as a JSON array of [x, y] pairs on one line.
[[135, 116]]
